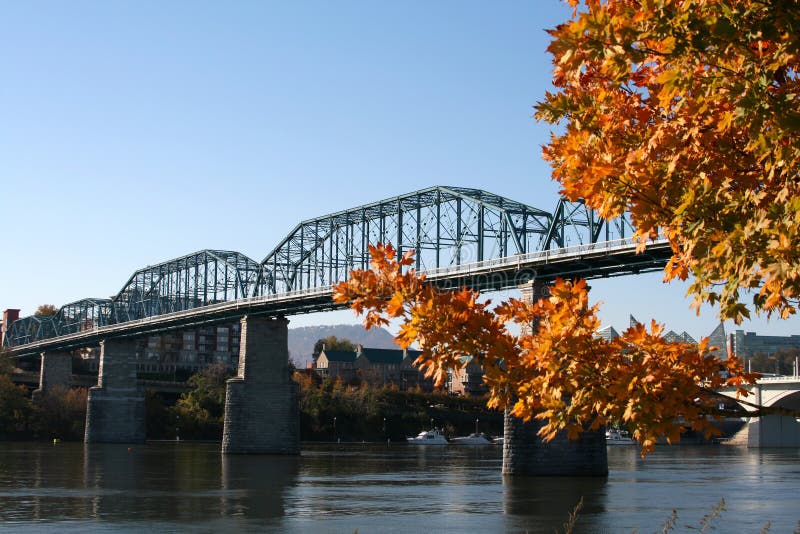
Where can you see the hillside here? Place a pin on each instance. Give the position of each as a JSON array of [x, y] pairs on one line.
[[301, 340]]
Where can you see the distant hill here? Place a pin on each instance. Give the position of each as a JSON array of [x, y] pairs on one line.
[[301, 340]]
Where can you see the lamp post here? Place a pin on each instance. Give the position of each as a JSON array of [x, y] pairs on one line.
[[334, 429], [476, 425]]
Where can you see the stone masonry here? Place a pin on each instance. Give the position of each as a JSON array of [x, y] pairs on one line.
[[261, 402], [56, 370], [115, 411], [525, 453]]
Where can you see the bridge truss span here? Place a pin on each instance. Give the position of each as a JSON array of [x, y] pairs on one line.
[[443, 226], [191, 281], [460, 236]]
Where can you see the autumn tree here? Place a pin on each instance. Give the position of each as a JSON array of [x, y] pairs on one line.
[[201, 411], [46, 309], [558, 371], [61, 413], [15, 404], [686, 114]]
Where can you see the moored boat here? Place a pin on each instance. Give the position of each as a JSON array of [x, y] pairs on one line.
[[619, 437], [428, 437], [472, 439]]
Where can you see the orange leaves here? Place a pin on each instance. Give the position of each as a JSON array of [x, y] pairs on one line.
[[686, 115], [556, 369]]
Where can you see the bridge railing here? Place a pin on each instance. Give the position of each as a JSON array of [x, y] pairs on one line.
[[544, 256]]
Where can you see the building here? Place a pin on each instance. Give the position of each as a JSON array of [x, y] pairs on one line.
[[377, 367], [336, 364], [747, 344], [185, 351], [467, 380], [9, 316], [716, 338], [609, 333]]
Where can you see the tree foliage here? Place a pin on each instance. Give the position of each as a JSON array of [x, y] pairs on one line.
[[332, 343], [781, 362], [556, 369], [60, 413], [201, 411], [686, 113], [46, 309], [16, 409]]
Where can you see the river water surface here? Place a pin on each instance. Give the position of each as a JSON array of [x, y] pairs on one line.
[[191, 487]]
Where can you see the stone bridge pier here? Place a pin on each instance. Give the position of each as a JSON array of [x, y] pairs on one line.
[[115, 411], [525, 453], [55, 370], [261, 402]]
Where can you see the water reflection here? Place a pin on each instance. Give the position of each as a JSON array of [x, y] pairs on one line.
[[150, 482], [546, 502], [28, 475], [400, 488], [256, 486]]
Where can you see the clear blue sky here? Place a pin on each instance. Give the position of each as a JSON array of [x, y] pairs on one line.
[[136, 132]]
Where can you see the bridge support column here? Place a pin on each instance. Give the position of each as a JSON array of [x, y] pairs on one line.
[[55, 370], [525, 453], [773, 431], [115, 412], [261, 402]]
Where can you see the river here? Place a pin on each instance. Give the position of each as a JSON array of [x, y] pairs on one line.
[[191, 487]]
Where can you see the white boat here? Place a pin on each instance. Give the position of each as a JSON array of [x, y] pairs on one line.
[[428, 437], [472, 439], [619, 437]]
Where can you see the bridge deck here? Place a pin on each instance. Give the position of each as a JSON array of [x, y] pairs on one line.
[[610, 258]]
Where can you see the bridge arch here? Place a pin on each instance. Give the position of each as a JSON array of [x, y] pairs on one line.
[[785, 399]]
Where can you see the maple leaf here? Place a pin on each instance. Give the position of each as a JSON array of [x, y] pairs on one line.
[[556, 369], [686, 115]]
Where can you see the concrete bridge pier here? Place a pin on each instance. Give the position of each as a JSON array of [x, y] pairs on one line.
[[115, 411], [773, 431], [55, 370], [525, 453], [261, 402]]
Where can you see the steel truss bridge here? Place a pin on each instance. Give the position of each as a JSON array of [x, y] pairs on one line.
[[460, 236]]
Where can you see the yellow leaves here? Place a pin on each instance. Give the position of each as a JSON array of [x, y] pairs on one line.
[[556, 369], [687, 118]]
